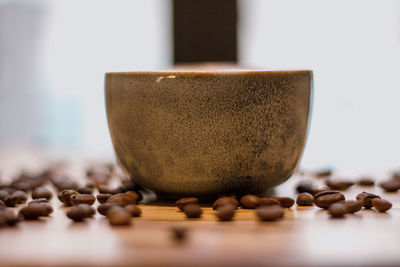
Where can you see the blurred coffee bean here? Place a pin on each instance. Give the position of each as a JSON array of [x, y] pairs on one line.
[[337, 210], [22, 186], [326, 198], [3, 194], [38, 200], [41, 192], [192, 210], [323, 173], [366, 199], [2, 204], [226, 212], [85, 190], [124, 199], [366, 181], [269, 213], [80, 212], [106, 189], [65, 196], [225, 200], [305, 187], [381, 205], [338, 184], [249, 201], [3, 222], [102, 198], [305, 199], [35, 210], [268, 201], [118, 216], [184, 201], [179, 234], [103, 208], [286, 202], [90, 184], [392, 185], [64, 183], [134, 210], [82, 199], [15, 198], [10, 216], [353, 206]]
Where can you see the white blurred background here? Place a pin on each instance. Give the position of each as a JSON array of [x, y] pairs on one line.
[[53, 56]]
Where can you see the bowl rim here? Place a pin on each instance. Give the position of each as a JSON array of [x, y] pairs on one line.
[[210, 72]]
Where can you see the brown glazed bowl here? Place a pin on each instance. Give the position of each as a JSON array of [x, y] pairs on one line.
[[207, 133]]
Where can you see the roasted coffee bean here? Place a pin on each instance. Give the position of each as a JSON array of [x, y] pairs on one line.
[[305, 199], [106, 189], [103, 208], [268, 201], [15, 198], [4, 194], [35, 210], [134, 210], [85, 190], [226, 211], [249, 201], [38, 200], [326, 198], [381, 205], [23, 196], [9, 190], [179, 234], [366, 199], [64, 183], [366, 181], [286, 202], [391, 185], [2, 204], [305, 187], [337, 210], [225, 200], [338, 184], [269, 213], [10, 216], [323, 173], [41, 192], [319, 190], [48, 209], [80, 212], [22, 186], [65, 196], [353, 206], [82, 199], [118, 216], [122, 199], [102, 198], [187, 200], [192, 210]]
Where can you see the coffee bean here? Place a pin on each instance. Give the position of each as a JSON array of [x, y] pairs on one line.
[[80, 212], [353, 206], [338, 184], [82, 199], [323, 173], [2, 204], [187, 200], [134, 210], [103, 208], [118, 216], [41, 192], [286, 202], [381, 205], [85, 190], [305, 199], [179, 234], [326, 198], [15, 198], [224, 200], [4, 194], [35, 210], [392, 185], [268, 201], [249, 201], [192, 210], [22, 196], [64, 183], [366, 199], [226, 211], [65, 196], [305, 187], [10, 216], [319, 190], [269, 213], [38, 200], [22, 186], [366, 181], [102, 198], [106, 189], [123, 199], [337, 210]]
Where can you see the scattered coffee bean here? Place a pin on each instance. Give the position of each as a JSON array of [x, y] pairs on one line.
[[192, 210], [102, 198], [305, 187], [392, 185], [224, 200], [38, 200], [269, 213], [326, 198], [337, 210], [338, 184], [118, 216], [187, 200], [366, 199], [323, 173], [352, 206], [268, 201], [10, 216], [82, 199], [103, 208], [286, 202], [106, 189], [85, 190], [123, 199], [35, 210], [366, 181], [15, 198], [179, 234], [65, 196], [226, 211], [4, 194], [249, 201], [134, 210], [381, 205], [80, 212], [305, 199], [41, 192]]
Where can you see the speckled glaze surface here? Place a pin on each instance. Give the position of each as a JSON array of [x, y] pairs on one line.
[[208, 133]]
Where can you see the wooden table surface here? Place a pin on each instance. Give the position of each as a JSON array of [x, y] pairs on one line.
[[306, 236]]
